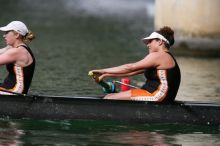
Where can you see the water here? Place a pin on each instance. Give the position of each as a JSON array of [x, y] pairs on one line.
[[66, 133], [75, 36]]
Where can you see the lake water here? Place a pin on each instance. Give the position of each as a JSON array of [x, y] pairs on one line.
[[104, 133], [75, 36]]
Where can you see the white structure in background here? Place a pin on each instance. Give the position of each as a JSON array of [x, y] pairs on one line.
[[196, 22]]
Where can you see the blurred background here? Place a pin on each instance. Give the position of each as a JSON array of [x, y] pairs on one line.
[[75, 36]]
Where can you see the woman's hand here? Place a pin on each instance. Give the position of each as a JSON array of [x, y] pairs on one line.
[[97, 75]]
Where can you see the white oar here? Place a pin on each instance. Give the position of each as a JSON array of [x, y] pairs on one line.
[[125, 84]]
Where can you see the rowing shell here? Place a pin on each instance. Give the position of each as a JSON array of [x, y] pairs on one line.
[[95, 108]]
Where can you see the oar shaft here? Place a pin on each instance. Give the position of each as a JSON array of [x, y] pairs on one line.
[[126, 84]]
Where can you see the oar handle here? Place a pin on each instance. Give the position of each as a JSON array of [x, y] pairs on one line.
[[94, 76], [108, 87]]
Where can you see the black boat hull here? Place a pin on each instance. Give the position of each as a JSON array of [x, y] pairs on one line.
[[94, 108]]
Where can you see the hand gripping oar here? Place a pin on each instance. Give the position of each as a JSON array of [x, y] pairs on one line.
[[108, 87]]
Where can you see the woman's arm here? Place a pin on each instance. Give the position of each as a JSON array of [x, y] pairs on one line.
[[101, 77], [150, 60], [2, 50], [9, 56]]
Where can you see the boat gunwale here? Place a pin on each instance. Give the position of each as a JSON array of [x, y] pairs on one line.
[[100, 98]]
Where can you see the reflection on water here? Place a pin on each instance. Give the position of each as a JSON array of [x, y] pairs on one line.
[[9, 134], [135, 138], [66, 133], [197, 139]]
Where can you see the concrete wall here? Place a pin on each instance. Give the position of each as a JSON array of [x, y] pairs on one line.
[[194, 21], [192, 17]]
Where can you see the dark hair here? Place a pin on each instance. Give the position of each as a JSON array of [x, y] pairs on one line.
[[168, 33]]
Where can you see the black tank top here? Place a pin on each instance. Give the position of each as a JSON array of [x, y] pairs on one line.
[[168, 78], [19, 78]]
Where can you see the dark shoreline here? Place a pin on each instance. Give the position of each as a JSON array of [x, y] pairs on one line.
[[189, 52], [197, 47]]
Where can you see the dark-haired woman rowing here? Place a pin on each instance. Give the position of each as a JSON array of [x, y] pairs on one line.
[[159, 67]]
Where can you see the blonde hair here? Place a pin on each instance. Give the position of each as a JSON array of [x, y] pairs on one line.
[[29, 37]]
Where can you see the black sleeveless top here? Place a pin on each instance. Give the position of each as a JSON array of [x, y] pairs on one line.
[[167, 81], [19, 78]]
